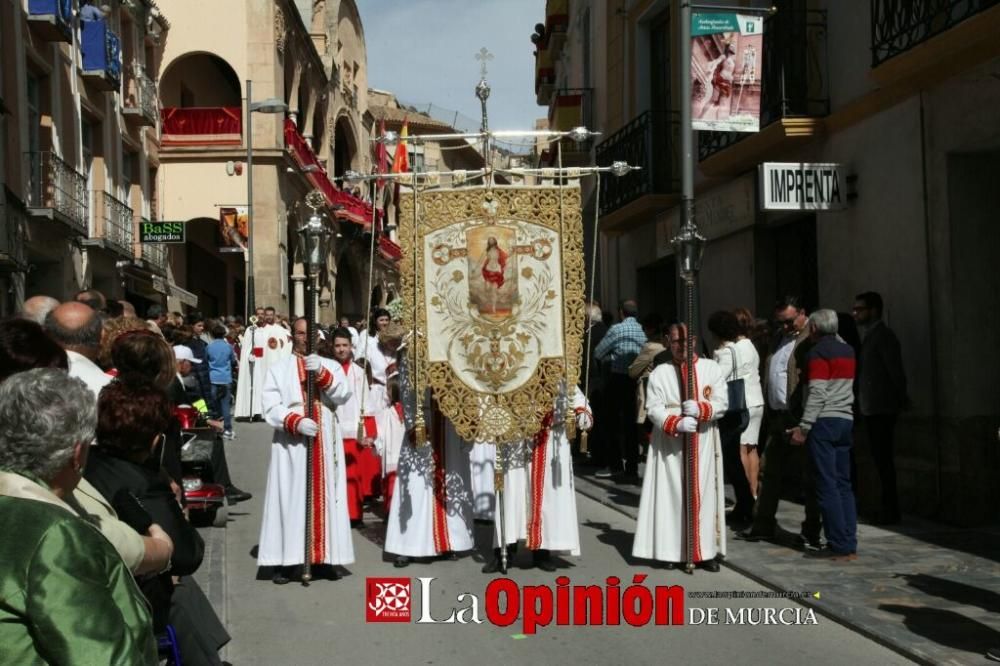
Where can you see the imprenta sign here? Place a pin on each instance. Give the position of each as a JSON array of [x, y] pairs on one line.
[[802, 186]]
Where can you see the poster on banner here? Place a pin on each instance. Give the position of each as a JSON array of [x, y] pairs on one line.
[[726, 56], [234, 225]]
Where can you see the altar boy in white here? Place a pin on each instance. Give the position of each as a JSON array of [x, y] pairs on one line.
[[431, 510], [539, 501], [282, 532], [660, 526]]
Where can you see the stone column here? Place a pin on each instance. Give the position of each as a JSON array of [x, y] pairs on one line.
[[298, 290]]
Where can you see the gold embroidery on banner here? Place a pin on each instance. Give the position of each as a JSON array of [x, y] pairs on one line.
[[492, 340]]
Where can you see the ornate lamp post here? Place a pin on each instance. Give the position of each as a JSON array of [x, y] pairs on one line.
[[314, 237]]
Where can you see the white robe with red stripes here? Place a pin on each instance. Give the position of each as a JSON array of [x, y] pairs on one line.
[[431, 510], [660, 529], [282, 532], [539, 500]]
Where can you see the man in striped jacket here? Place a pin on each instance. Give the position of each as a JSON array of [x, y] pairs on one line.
[[826, 425]]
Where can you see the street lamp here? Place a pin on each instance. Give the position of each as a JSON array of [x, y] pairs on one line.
[[270, 105], [314, 237]]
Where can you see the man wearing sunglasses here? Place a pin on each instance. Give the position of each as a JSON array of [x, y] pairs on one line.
[[784, 408]]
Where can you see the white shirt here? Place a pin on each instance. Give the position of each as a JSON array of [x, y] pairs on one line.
[[777, 374], [86, 370]]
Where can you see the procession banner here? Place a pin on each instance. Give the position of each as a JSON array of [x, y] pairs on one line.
[[497, 294], [726, 55]]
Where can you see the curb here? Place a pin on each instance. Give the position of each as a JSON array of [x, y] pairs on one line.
[[597, 491]]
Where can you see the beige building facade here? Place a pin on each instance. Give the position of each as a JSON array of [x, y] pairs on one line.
[[902, 97], [79, 151], [313, 63]]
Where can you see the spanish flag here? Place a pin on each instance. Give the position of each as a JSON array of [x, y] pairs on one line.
[[400, 160]]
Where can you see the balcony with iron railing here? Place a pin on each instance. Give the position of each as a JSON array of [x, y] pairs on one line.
[[113, 224], [57, 191], [207, 126], [154, 255], [649, 141], [140, 104], [13, 230], [101, 51], [900, 25], [794, 91]]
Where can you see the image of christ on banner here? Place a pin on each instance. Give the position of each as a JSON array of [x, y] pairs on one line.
[[492, 271], [726, 57]]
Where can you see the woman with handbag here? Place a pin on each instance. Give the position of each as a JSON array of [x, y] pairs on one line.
[[740, 427]]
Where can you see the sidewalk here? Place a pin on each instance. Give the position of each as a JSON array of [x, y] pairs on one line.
[[929, 591]]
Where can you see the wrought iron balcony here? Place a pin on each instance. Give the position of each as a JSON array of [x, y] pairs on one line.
[[649, 141], [52, 19], [102, 54], [57, 191], [13, 230], [141, 104], [899, 25], [113, 223], [794, 74], [154, 254]]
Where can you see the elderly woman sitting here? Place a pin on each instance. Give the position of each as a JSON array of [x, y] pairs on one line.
[[68, 598]]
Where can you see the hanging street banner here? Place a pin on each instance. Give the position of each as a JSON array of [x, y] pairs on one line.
[[802, 186], [727, 51], [161, 232]]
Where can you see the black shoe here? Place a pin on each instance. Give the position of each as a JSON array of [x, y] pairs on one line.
[[279, 577], [993, 654], [542, 559], [628, 478], [811, 543], [358, 524], [826, 553], [752, 535], [234, 495], [709, 565], [667, 565], [401, 561]]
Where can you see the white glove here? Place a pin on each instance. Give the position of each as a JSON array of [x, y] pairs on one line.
[[584, 421], [687, 424], [307, 427], [251, 357], [313, 363], [690, 408]]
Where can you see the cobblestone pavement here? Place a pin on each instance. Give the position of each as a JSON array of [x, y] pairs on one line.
[[928, 591]]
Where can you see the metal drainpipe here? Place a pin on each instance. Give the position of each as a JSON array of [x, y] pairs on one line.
[[931, 310]]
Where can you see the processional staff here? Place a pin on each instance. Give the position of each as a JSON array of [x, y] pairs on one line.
[[313, 238]]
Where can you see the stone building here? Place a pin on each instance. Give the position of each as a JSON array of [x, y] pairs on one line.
[[901, 96], [309, 57]]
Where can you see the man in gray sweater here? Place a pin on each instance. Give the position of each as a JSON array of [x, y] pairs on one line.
[[825, 427]]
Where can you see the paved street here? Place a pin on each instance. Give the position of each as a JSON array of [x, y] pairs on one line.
[[325, 623]]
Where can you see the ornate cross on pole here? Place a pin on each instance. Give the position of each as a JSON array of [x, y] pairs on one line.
[[483, 88]]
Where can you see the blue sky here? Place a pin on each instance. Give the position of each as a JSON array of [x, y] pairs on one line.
[[424, 51]]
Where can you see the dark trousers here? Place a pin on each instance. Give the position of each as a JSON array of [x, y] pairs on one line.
[[220, 466], [621, 391], [736, 473], [829, 447], [881, 430], [224, 401], [778, 454]]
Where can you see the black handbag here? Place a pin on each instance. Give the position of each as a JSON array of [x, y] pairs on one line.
[[737, 416]]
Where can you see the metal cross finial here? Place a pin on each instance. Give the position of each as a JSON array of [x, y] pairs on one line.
[[483, 57]]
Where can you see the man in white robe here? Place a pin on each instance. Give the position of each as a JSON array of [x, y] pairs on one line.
[[660, 529], [539, 499], [264, 344], [362, 463], [431, 510], [282, 533]]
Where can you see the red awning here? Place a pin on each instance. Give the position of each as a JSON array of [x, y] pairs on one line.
[[201, 126], [388, 249], [345, 206]]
